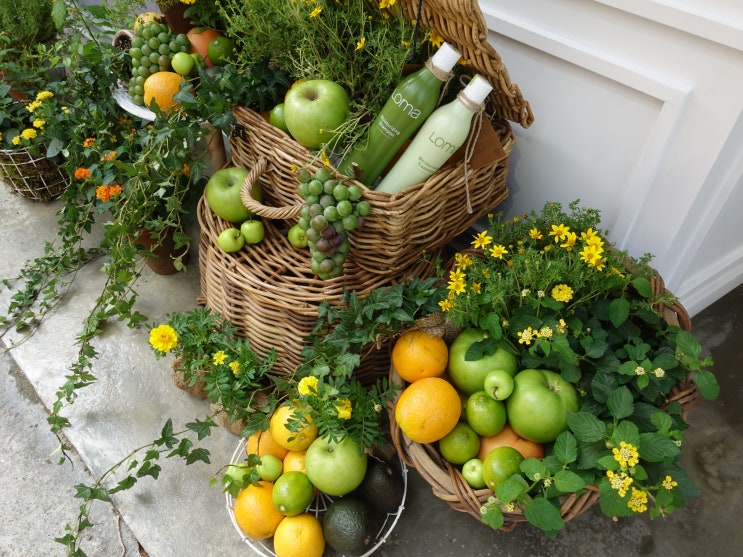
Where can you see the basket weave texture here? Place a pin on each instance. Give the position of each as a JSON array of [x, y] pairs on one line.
[[269, 293], [427, 215], [35, 178], [447, 482]]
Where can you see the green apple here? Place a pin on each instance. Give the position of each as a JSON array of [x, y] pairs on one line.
[[469, 375], [472, 473], [230, 240], [313, 109], [539, 404], [183, 63], [269, 468], [335, 468], [222, 193], [253, 231], [498, 384], [485, 415], [297, 237], [500, 464]]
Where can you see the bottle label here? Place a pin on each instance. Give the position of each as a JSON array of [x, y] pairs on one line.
[[440, 142], [405, 106], [386, 127]]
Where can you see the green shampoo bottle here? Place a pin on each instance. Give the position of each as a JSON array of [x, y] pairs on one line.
[[412, 101]]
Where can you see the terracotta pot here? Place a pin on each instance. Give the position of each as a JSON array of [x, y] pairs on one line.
[[174, 17], [165, 252]]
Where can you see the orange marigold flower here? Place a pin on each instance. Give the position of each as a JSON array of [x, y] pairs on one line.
[[82, 173], [186, 170], [103, 193], [109, 156], [89, 142], [114, 190]]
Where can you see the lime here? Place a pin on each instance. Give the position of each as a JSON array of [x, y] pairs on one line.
[[500, 464], [292, 493], [269, 468], [276, 117], [460, 444], [220, 50], [485, 415]]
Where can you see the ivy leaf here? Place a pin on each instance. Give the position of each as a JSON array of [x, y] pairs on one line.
[[544, 515], [566, 448], [569, 482], [620, 403], [586, 427], [619, 311], [655, 447]]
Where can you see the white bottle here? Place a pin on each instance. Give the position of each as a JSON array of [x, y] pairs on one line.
[[438, 139]]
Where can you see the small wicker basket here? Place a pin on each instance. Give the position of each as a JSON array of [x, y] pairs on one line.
[[427, 215], [35, 178], [447, 482], [269, 293]]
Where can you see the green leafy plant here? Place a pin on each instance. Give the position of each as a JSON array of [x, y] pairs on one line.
[[550, 287]]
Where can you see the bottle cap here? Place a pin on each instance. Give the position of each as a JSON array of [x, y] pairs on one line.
[[477, 90], [445, 57]]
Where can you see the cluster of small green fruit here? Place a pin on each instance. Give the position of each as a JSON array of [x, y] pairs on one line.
[[331, 209], [152, 51]]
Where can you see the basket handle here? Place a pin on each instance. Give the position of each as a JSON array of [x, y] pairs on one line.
[[246, 195]]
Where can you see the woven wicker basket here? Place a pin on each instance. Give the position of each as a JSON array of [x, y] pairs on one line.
[[269, 293], [35, 178], [427, 215], [447, 482]]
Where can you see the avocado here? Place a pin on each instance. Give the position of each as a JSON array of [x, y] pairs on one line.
[[382, 486], [350, 526]]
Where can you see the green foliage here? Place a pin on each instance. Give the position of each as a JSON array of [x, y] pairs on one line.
[[28, 22]]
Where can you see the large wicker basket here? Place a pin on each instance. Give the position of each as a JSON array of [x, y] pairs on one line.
[[447, 482], [428, 215], [35, 178], [269, 293]]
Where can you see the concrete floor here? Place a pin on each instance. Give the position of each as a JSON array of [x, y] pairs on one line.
[[182, 515]]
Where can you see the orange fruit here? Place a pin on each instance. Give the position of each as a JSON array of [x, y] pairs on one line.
[[200, 37], [294, 461], [263, 443], [299, 536], [428, 409], [417, 354], [509, 438], [161, 87], [291, 440], [255, 512]]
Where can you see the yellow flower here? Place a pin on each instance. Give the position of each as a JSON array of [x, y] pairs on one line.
[[476, 287], [482, 240], [89, 141], [619, 482], [235, 367], [498, 251], [360, 43], [591, 238], [44, 95], [591, 255], [343, 407], [626, 455], [447, 304], [535, 234], [527, 335], [163, 338], [570, 240], [638, 500], [462, 260], [219, 358], [39, 123], [435, 39], [324, 158], [559, 232], [383, 4], [316, 12], [668, 483], [457, 281], [29, 133], [308, 386], [562, 293]]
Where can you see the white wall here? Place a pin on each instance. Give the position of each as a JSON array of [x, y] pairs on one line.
[[638, 109]]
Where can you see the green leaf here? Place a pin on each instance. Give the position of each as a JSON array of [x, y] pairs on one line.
[[707, 384], [643, 286], [607, 462], [619, 311], [566, 448], [533, 468], [610, 502], [569, 482], [662, 421], [655, 447], [626, 431], [511, 489], [620, 403], [586, 427], [544, 515], [480, 349], [493, 516]]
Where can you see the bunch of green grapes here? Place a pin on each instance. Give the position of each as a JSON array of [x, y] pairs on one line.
[[331, 209], [151, 52]]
